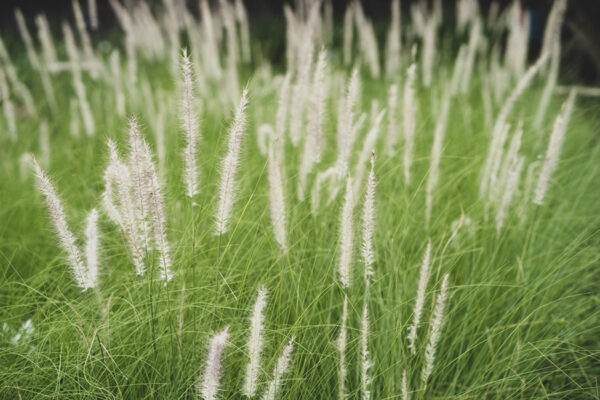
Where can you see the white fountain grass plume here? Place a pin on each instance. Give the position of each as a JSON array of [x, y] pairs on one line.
[[436, 331], [392, 131], [265, 134], [313, 141], [554, 25], [429, 49], [551, 45], [84, 37], [229, 166], [242, 17], [125, 213], [367, 40], [255, 343], [114, 169], [554, 147], [404, 387], [346, 133], [346, 237], [529, 187], [341, 345], [281, 368], [509, 158], [420, 300], [300, 90], [368, 223], [348, 34], [474, 38], [328, 22], [93, 11], [458, 70], [549, 87], [80, 91], [149, 204], [139, 181], [8, 108], [367, 150], [409, 116], [66, 238], [436, 155], [26, 37], [117, 82], [281, 117], [208, 387], [365, 379], [18, 86], [277, 198], [231, 60], [157, 215], [510, 186], [291, 27], [492, 162], [466, 11], [189, 121], [45, 38], [91, 245], [515, 55], [393, 44], [211, 48]]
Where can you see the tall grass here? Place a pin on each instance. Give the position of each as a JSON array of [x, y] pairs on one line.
[[463, 264]]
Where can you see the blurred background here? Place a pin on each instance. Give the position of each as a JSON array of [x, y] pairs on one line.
[[580, 35]]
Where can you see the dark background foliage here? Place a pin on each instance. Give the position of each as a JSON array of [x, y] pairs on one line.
[[581, 33]]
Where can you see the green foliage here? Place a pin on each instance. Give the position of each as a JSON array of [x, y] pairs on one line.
[[522, 320]]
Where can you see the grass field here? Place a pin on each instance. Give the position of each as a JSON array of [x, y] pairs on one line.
[[521, 318]]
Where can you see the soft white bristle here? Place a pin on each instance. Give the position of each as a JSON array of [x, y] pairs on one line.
[[365, 379], [420, 300], [314, 130], [409, 119], [554, 147], [436, 155], [255, 343], [189, 121], [341, 345], [277, 199], [65, 236], [346, 236], [404, 390], [281, 368], [368, 222], [208, 387], [490, 169], [436, 330], [229, 166]]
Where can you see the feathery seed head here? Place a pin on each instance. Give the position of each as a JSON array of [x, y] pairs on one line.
[[281, 368], [420, 300], [189, 121], [554, 147], [255, 343], [365, 361], [368, 222], [208, 387], [65, 236], [436, 330], [230, 165], [346, 236]]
